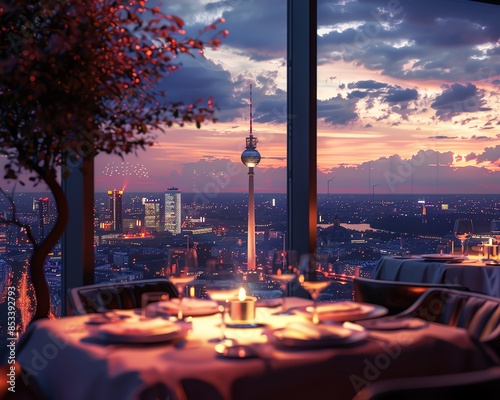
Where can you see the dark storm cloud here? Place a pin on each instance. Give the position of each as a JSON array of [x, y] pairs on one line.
[[470, 156], [257, 27], [442, 137], [357, 94], [456, 99], [491, 154], [337, 110], [371, 84], [199, 78], [439, 39], [399, 95]]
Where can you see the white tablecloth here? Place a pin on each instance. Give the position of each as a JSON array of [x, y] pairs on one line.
[[68, 363], [476, 276]]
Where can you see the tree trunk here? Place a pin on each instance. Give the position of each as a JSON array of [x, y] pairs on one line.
[[42, 250]]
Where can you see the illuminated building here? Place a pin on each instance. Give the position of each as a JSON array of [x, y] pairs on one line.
[[173, 210], [152, 215], [115, 206], [43, 216]]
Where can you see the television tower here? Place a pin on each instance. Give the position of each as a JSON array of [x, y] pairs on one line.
[[251, 157]]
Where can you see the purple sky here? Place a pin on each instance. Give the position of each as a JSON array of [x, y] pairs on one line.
[[408, 97]]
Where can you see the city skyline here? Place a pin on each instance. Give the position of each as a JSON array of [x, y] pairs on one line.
[[407, 101]]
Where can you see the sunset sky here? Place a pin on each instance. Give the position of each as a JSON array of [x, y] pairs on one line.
[[408, 100]]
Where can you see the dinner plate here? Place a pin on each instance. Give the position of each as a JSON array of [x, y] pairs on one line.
[[307, 335], [343, 311], [444, 257], [139, 331], [191, 307]]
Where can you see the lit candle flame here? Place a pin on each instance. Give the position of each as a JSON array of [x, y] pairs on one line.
[[278, 272], [242, 294]]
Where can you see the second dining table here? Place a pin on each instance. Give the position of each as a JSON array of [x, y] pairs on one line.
[[67, 359], [477, 275]]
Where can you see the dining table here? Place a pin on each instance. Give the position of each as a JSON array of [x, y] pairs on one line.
[[473, 272], [278, 355]]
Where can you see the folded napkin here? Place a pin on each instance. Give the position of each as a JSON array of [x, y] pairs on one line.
[[140, 327], [341, 306], [307, 331], [190, 306], [387, 324]]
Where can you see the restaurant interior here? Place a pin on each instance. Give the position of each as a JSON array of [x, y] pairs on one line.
[[419, 327]]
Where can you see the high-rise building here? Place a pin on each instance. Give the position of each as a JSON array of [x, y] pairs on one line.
[[115, 201], [43, 216], [152, 215], [173, 210]]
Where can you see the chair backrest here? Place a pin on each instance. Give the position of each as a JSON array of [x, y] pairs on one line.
[[476, 312], [119, 295], [484, 385], [394, 295]]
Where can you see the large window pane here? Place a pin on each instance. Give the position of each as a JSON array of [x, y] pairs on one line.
[[407, 126], [202, 167]]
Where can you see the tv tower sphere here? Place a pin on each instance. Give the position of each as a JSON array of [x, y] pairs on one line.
[[250, 157]]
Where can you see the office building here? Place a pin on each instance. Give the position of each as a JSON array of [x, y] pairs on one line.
[[152, 215], [115, 206], [173, 210]]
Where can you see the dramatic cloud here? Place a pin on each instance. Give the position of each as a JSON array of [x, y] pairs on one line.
[[491, 154], [400, 95], [337, 111], [456, 99]]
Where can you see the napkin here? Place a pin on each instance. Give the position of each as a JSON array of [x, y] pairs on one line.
[[190, 306], [341, 306], [307, 331], [140, 327]]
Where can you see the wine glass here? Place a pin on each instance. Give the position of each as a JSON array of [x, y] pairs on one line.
[[495, 230], [222, 296], [284, 271], [463, 232], [311, 277], [181, 270]]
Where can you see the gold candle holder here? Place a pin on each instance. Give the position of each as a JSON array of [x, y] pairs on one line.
[[242, 308]]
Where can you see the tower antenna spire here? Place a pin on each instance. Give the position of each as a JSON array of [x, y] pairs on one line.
[[251, 114]]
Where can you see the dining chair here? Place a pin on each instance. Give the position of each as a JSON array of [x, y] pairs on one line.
[[396, 296], [478, 313], [117, 295], [483, 384]]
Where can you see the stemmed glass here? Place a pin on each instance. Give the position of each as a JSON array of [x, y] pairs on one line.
[[284, 271], [181, 270], [310, 274], [495, 230], [222, 296], [463, 232]]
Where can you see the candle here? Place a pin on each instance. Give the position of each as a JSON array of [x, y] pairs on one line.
[[242, 308]]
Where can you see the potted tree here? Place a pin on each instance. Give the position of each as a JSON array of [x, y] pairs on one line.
[[77, 78]]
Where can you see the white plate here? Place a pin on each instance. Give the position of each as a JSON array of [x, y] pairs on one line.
[[343, 311], [444, 257], [150, 331], [302, 336], [191, 307]]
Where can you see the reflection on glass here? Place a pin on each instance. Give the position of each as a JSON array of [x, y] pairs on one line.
[[463, 232], [182, 269], [311, 277], [284, 271]]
